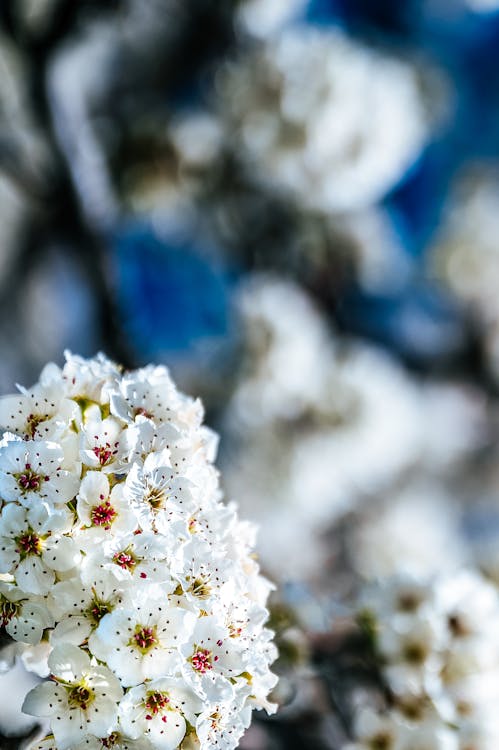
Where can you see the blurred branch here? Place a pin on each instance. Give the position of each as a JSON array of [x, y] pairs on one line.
[[58, 218]]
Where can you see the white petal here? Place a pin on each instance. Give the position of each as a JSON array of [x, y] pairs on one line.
[[61, 554], [127, 665], [9, 556], [73, 630], [45, 700], [159, 663], [175, 626], [33, 576], [68, 662], [166, 735], [101, 716], [68, 732], [9, 489], [13, 520], [30, 623]]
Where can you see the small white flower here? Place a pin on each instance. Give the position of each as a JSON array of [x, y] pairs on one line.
[[42, 413], [375, 730], [142, 643], [82, 699], [202, 577], [30, 471], [157, 496], [148, 393], [212, 660], [222, 725], [24, 617], [103, 444], [130, 558], [79, 608], [114, 741], [89, 380], [34, 545], [103, 509], [158, 710]]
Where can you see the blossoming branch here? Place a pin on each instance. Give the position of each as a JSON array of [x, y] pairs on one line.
[[118, 553]]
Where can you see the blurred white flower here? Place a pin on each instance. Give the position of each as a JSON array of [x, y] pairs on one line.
[[374, 730], [261, 18], [331, 122], [415, 532], [466, 255], [437, 645], [316, 425]]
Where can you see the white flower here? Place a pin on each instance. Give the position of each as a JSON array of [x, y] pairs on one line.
[[42, 413], [114, 741], [212, 660], [148, 393], [223, 725], [325, 119], [23, 617], [102, 443], [79, 608], [142, 643], [414, 533], [31, 470], [144, 437], [89, 380], [158, 710], [204, 579], [103, 509], [375, 730], [83, 699], [130, 558], [156, 495], [34, 545]]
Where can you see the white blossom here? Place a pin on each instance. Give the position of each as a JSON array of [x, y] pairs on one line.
[[82, 699], [35, 544], [323, 118], [23, 616], [102, 509], [124, 575], [158, 710], [438, 650], [31, 470]]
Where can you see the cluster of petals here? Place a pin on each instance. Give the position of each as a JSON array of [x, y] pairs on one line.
[[437, 642], [122, 566]]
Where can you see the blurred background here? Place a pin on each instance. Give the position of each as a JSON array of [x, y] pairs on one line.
[[294, 204]]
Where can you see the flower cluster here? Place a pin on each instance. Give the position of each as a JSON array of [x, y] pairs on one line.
[[465, 256], [324, 119], [307, 400], [438, 646], [115, 546]]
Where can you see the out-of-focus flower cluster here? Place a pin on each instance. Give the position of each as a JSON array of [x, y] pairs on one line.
[[121, 564], [318, 427], [331, 122], [438, 651]]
